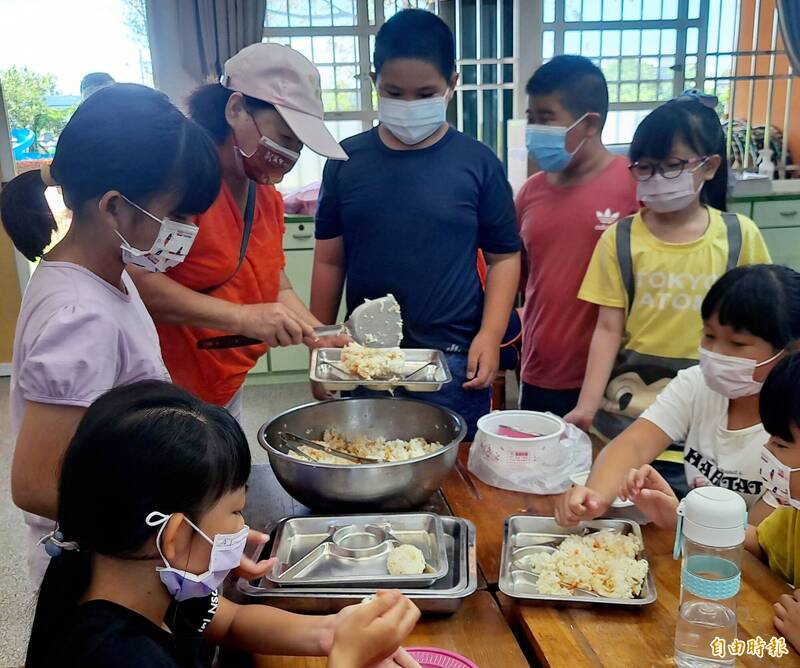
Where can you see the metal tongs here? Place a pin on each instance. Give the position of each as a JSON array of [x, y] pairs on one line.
[[286, 437]]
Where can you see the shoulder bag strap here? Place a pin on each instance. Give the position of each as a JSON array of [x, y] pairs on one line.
[[625, 257]]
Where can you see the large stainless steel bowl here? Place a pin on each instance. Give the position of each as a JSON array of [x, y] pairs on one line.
[[390, 486]]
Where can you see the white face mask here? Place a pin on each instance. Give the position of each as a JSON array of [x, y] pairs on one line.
[[169, 249], [777, 477], [226, 554], [664, 195], [412, 122], [732, 377]]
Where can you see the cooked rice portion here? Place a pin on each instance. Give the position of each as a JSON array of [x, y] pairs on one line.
[[406, 560], [375, 448], [602, 562], [372, 363]]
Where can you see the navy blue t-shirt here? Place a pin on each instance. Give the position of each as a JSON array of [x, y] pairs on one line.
[[412, 223]]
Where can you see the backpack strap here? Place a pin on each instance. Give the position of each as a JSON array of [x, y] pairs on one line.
[[734, 230], [625, 257]]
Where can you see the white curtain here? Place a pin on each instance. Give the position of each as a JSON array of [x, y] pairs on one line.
[[190, 40]]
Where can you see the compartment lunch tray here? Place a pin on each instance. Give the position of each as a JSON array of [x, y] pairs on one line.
[[523, 532], [330, 551]]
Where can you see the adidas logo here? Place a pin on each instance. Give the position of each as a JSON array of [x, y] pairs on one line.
[[605, 219]]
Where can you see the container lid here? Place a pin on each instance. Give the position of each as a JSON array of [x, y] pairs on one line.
[[433, 657], [713, 516]]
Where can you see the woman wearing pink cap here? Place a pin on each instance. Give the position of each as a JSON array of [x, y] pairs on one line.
[[266, 108]]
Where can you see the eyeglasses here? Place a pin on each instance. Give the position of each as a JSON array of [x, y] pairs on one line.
[[671, 168]]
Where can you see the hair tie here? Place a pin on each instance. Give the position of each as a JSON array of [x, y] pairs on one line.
[[694, 95], [47, 176], [54, 543]]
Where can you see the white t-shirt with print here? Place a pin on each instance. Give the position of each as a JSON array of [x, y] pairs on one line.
[[690, 412]]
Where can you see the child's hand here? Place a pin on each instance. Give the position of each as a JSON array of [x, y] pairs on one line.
[[578, 503], [249, 569], [369, 633], [652, 495], [582, 418], [483, 362], [787, 618]]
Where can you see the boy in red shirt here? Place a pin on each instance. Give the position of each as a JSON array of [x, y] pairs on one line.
[[561, 212]]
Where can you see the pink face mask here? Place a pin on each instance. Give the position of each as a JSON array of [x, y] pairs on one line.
[[664, 195]]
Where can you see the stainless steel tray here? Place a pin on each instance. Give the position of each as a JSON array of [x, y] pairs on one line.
[[352, 551], [444, 596], [525, 531], [429, 379]]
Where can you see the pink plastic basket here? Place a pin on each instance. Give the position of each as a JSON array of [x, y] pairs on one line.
[[433, 657]]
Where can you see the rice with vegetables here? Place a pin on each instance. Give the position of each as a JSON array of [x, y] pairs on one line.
[[375, 448], [602, 562]]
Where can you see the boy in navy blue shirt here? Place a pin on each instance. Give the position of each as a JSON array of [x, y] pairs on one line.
[[408, 212]]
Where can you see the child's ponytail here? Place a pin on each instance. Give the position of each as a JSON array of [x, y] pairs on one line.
[[26, 215], [64, 585], [125, 137]]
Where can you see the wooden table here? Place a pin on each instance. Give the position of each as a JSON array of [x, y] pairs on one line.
[[604, 636], [552, 637], [477, 631], [488, 507]]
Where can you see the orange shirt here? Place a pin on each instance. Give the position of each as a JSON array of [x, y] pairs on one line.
[[216, 375]]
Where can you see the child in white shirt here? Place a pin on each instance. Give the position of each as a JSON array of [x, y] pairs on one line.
[[751, 316]]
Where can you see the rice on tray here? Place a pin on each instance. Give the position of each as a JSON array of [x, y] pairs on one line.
[[602, 562], [375, 448], [372, 363]]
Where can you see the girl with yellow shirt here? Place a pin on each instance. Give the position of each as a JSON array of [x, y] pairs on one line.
[[776, 539], [650, 272]]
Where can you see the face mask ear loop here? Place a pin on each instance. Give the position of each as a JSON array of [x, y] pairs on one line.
[[144, 211], [197, 529], [155, 519], [574, 125], [771, 359]]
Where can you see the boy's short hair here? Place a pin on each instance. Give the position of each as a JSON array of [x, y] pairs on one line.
[[779, 403], [418, 34], [579, 83]]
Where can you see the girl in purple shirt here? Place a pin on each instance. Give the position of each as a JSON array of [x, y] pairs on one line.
[[134, 171]]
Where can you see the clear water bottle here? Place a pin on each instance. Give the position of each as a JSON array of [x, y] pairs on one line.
[[709, 540]]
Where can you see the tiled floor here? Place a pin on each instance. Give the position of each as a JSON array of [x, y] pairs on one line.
[[16, 597]]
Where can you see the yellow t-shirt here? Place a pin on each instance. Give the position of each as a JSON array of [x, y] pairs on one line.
[[671, 281], [779, 537], [663, 328]]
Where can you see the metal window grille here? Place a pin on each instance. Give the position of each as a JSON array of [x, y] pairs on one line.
[[338, 36], [651, 50]]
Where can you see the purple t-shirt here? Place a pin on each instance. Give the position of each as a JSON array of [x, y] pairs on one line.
[[77, 337]]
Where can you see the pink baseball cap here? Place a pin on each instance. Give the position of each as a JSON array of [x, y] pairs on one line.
[[289, 81]]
